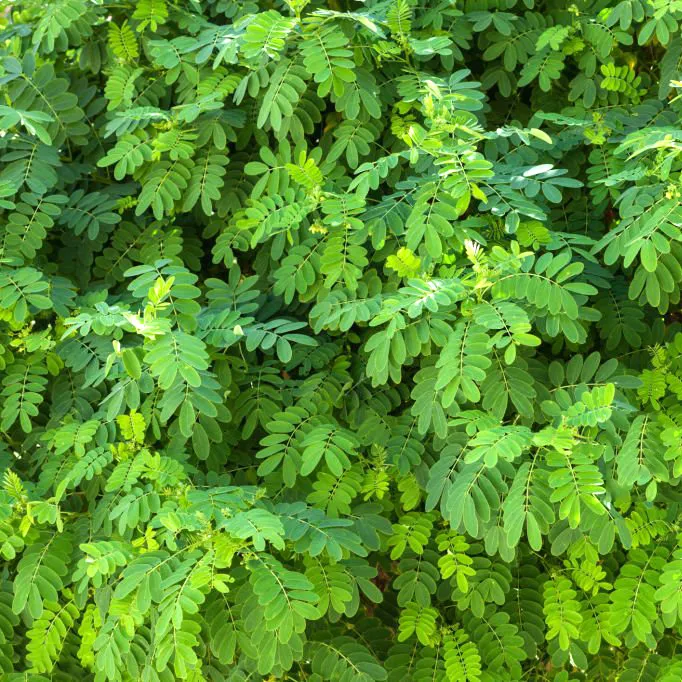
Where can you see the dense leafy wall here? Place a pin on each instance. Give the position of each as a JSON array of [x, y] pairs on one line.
[[338, 340]]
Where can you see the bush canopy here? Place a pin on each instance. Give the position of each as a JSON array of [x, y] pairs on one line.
[[340, 340]]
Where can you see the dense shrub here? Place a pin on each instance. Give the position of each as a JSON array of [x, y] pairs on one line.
[[338, 341]]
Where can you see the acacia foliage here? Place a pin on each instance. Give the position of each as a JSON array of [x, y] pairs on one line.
[[339, 341]]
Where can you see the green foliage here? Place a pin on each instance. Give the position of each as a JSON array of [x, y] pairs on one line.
[[340, 340]]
